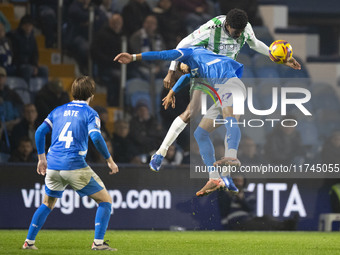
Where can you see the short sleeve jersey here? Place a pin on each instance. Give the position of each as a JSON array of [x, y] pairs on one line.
[[71, 125]]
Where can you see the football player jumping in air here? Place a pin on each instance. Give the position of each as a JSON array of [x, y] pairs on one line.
[[198, 62], [223, 35]]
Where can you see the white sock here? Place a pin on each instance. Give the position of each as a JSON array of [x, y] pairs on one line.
[[231, 153], [175, 129], [225, 146], [98, 241], [30, 241]]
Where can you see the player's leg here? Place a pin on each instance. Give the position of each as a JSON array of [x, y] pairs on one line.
[[207, 151], [38, 221], [102, 219], [175, 129], [87, 183], [233, 136], [205, 145], [234, 89], [54, 188]]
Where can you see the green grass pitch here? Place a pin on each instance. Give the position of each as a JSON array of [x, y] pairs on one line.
[[165, 242]]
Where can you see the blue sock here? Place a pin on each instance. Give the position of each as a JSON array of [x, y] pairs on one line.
[[233, 133], [38, 221], [102, 220], [205, 145]]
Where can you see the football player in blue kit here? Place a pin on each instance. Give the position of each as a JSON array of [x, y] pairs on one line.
[[197, 62], [65, 164]]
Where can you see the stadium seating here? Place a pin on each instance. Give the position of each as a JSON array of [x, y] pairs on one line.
[[324, 97], [16, 83], [309, 133], [267, 72], [260, 61], [262, 33], [140, 96], [25, 95], [36, 84], [327, 121], [133, 87], [244, 59]]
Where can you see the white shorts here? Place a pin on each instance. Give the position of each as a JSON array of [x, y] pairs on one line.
[[84, 181], [226, 92]]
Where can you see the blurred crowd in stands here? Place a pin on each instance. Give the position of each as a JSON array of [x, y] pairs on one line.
[[149, 25]]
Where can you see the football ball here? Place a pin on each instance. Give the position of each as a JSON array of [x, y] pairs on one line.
[[280, 51]]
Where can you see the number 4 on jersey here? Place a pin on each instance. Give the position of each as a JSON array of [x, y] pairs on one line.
[[66, 138]]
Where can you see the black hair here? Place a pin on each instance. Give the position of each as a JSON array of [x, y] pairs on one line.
[[237, 18]]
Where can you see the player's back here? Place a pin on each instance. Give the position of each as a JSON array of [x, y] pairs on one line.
[[71, 124], [210, 65]]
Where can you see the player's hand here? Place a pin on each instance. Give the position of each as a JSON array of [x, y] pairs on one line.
[[169, 100], [293, 64], [42, 166], [123, 58], [112, 165], [169, 79]]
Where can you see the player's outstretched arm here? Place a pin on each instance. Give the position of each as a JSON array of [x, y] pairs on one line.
[[126, 58], [293, 64], [112, 165]]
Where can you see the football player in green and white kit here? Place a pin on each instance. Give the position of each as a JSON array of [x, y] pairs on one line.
[[224, 35]]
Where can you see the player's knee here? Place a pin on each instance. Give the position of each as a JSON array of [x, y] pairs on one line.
[[185, 116], [49, 201], [106, 198], [49, 205], [228, 112], [109, 199]]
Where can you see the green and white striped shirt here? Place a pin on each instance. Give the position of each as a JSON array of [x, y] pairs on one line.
[[214, 36]]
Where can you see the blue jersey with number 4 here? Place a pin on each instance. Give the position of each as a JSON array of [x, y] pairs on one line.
[[71, 125]]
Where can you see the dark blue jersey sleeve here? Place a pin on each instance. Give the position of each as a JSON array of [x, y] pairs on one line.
[[181, 83], [40, 134], [100, 144]]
